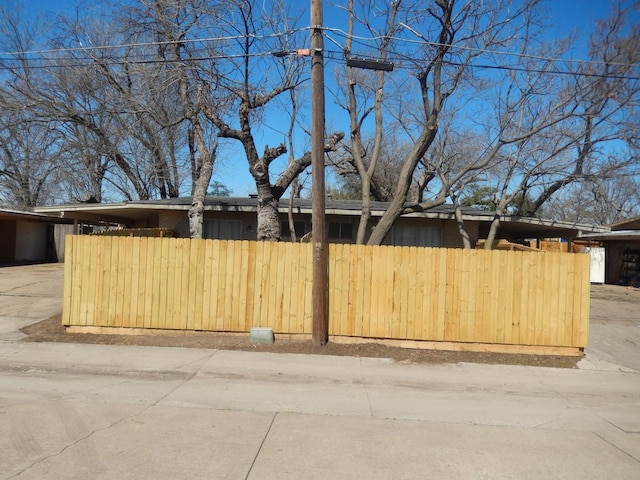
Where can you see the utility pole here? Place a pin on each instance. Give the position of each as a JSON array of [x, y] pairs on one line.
[[320, 328]]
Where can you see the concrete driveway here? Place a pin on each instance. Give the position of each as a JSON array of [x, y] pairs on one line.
[[614, 330], [28, 294]]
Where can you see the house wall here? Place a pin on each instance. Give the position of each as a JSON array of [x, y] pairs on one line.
[[450, 236], [145, 223], [31, 242], [60, 233], [616, 272], [177, 221], [7, 240]]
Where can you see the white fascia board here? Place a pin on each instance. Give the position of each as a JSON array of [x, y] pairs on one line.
[[80, 207], [555, 224]]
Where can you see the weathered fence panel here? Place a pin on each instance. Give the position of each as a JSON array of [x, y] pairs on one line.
[[403, 293]]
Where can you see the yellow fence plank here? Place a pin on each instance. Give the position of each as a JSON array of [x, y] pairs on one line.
[[242, 275], [76, 268], [298, 294], [69, 277], [223, 278], [166, 287], [391, 280], [308, 313], [570, 285], [181, 311], [137, 279], [363, 289], [111, 282], [148, 282], [209, 285], [207, 275]]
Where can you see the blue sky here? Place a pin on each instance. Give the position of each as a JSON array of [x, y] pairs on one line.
[[569, 15]]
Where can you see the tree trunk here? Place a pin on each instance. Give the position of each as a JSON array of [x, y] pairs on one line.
[[196, 216], [365, 216], [268, 219], [295, 193], [493, 231], [466, 241], [196, 211], [404, 183]]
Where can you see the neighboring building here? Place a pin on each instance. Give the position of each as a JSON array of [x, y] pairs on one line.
[[622, 251], [230, 218], [27, 237]]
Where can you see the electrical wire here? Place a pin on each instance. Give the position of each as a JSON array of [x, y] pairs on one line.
[[25, 53], [454, 46], [399, 60], [361, 39]]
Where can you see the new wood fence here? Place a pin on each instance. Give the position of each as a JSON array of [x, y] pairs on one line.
[[402, 293]]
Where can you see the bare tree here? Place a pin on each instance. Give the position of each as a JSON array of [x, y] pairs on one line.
[[598, 201], [125, 89], [251, 78], [606, 108], [552, 128], [63, 88], [172, 25], [452, 34], [28, 157], [365, 161], [382, 176]]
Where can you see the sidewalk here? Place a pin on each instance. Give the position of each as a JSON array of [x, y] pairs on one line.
[[145, 412], [74, 411]]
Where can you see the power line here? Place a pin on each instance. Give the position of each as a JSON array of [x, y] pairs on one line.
[[400, 62], [423, 41], [81, 48], [360, 39], [57, 63]]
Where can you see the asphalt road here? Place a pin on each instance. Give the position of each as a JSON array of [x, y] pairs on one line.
[[71, 411]]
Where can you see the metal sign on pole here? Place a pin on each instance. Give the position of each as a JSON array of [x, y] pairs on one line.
[[320, 327]]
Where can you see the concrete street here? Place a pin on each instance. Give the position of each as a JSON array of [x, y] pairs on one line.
[[70, 411]]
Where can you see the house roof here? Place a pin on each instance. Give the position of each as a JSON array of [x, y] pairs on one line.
[[624, 230], [628, 224], [124, 212], [617, 235], [10, 214]]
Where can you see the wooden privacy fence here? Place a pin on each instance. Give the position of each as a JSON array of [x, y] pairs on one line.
[[470, 297]]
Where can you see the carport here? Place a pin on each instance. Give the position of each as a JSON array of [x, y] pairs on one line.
[[27, 237], [622, 247]]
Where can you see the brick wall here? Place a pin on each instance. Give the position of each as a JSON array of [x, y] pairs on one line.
[[175, 220]]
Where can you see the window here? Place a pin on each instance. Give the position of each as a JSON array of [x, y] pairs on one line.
[[341, 230], [299, 226], [417, 236], [222, 229]]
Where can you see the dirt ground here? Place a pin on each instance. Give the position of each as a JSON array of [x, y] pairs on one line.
[[609, 304], [51, 330], [615, 305]]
